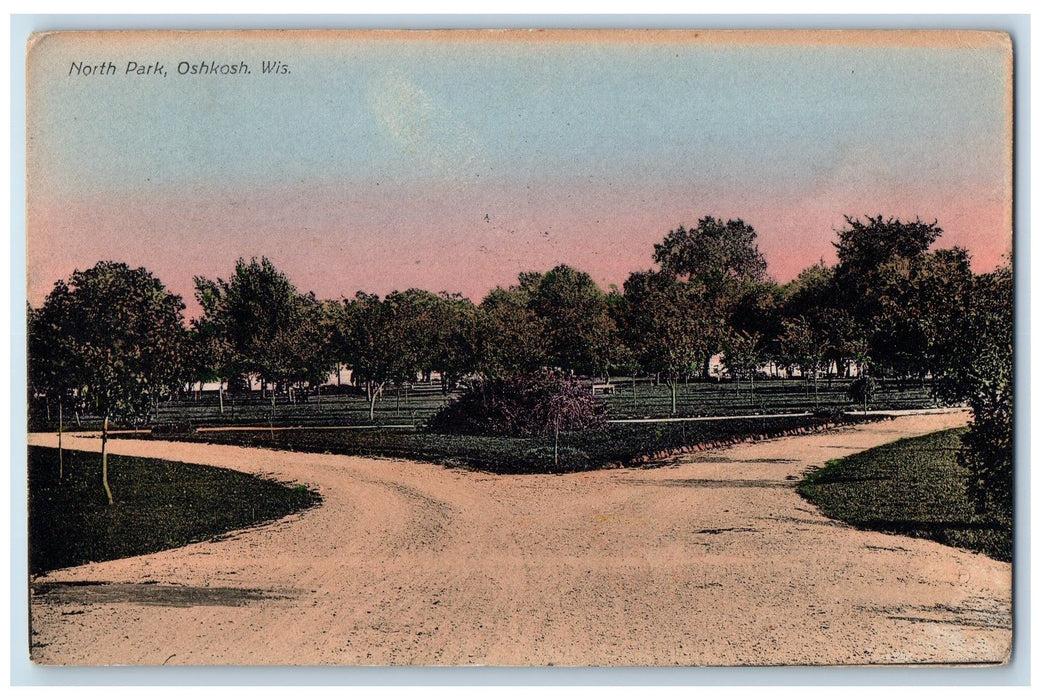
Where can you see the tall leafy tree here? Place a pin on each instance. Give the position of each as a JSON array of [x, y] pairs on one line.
[[743, 354], [722, 259], [261, 325], [804, 344], [812, 300], [440, 331], [510, 334], [379, 341], [880, 261], [665, 325], [213, 353], [577, 328], [454, 338], [124, 336]]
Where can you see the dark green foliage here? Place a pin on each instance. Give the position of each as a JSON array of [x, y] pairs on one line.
[[540, 403], [862, 391], [864, 246], [915, 487], [115, 335], [158, 505], [577, 326], [978, 368], [510, 338], [718, 255], [668, 326], [558, 319], [722, 268], [901, 297], [257, 323]]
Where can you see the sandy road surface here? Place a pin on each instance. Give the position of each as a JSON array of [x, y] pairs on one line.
[[711, 560]]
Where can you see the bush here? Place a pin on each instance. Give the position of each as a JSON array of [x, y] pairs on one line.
[[988, 458], [833, 414], [184, 427], [862, 390], [977, 366], [522, 405]]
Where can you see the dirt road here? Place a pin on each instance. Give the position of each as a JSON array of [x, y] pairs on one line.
[[714, 559]]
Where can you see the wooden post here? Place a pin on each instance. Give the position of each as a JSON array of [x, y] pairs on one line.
[[61, 464]]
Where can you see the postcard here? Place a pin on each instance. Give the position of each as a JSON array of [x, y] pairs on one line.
[[520, 348]]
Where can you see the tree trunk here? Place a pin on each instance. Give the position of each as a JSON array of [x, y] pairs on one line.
[[816, 399], [61, 463], [271, 420], [220, 395], [634, 392], [705, 367], [373, 394], [673, 383], [104, 460]]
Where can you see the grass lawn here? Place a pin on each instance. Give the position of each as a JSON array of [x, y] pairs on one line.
[[415, 406], [159, 505], [578, 451], [912, 487]]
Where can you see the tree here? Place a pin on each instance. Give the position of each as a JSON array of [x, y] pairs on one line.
[[440, 331], [743, 355], [718, 255], [53, 369], [880, 264], [813, 297], [260, 325], [215, 351], [124, 336], [456, 339], [666, 325], [803, 344], [723, 260], [864, 246], [758, 310], [576, 323], [379, 343], [509, 334]]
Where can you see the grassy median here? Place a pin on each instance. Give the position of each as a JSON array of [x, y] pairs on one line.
[[158, 505], [912, 487], [581, 450]]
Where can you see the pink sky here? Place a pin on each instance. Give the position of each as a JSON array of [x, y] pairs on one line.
[[335, 243]]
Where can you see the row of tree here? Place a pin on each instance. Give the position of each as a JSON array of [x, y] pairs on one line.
[[114, 339]]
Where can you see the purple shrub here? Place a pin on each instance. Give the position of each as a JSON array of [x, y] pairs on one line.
[[545, 402]]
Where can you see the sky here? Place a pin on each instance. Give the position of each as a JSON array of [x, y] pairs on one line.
[[383, 161]]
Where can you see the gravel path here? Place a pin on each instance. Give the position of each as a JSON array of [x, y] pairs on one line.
[[713, 559]]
